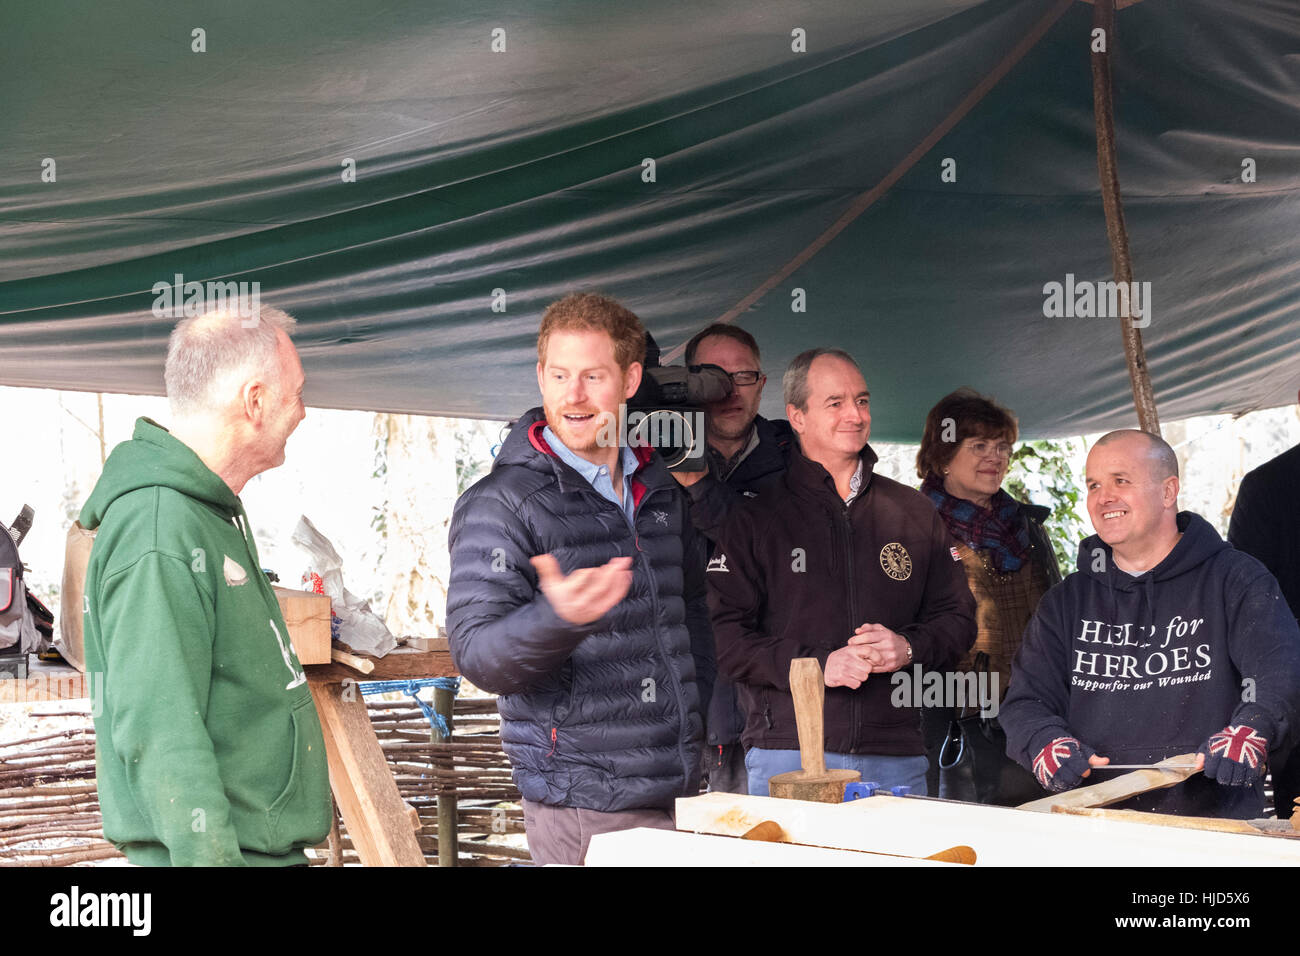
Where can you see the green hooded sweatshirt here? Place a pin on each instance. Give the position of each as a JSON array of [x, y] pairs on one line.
[[209, 751]]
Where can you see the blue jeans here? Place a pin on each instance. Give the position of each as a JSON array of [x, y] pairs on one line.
[[886, 771]]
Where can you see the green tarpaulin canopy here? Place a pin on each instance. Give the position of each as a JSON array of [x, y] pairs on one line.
[[500, 159]]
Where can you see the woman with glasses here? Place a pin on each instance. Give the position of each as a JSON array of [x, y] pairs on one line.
[[1009, 563]]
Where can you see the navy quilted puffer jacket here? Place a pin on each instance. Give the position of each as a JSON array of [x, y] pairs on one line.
[[605, 716]]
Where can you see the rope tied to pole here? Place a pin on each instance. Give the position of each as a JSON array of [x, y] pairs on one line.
[[437, 722]]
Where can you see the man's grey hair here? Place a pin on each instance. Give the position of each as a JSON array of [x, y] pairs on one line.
[[795, 382], [210, 354], [1160, 455]]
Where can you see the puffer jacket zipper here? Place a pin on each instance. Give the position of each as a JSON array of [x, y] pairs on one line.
[[588, 492], [570, 679], [663, 650], [853, 615]]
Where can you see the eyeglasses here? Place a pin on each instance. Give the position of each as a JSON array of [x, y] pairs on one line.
[[747, 376], [985, 449]]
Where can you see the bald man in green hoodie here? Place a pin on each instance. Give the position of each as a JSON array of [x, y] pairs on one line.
[[209, 751]]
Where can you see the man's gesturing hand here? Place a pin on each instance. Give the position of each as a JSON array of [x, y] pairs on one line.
[[586, 594], [847, 667], [885, 650]]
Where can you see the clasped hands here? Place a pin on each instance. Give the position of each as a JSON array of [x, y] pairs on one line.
[[873, 649]]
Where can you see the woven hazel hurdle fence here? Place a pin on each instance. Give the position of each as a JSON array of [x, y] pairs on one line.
[[472, 767], [49, 807], [50, 815]]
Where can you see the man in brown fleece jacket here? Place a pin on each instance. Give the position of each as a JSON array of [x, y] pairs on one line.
[[851, 568]]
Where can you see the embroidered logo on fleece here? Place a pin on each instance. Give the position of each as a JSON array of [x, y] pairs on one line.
[[955, 555], [895, 561], [235, 575], [718, 564]]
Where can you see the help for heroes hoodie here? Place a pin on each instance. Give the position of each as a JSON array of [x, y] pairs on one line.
[[1148, 667], [208, 747]]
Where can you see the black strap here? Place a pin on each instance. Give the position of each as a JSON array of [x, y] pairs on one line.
[[21, 525]]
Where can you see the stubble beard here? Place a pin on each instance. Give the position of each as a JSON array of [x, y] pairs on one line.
[[572, 441], [729, 434]]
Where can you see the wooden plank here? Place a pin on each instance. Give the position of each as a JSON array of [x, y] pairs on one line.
[[800, 822], [1016, 837], [999, 835], [1167, 820], [365, 790], [399, 664], [362, 665], [425, 643], [1117, 789], [650, 847], [307, 616]]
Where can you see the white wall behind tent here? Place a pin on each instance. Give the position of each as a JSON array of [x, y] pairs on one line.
[[330, 475]]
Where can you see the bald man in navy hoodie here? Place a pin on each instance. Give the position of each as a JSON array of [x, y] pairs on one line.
[[1165, 641]]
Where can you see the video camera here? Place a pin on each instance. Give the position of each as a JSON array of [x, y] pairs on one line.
[[667, 412]]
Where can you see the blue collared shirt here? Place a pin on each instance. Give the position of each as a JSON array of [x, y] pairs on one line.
[[598, 475]]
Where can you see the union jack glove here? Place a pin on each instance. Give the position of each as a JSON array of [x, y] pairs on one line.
[[1062, 763], [1235, 756]]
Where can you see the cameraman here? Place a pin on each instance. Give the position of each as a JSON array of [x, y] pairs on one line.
[[745, 450]]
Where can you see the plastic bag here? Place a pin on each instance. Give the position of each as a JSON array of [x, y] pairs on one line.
[[359, 627]]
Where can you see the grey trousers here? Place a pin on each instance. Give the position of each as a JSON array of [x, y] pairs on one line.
[[561, 834]]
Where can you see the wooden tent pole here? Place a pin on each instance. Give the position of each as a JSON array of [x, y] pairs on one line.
[[1103, 18], [444, 702]]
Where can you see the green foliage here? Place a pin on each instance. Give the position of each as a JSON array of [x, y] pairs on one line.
[[1043, 472]]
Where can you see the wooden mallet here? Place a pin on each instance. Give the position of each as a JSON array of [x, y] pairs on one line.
[[814, 781]]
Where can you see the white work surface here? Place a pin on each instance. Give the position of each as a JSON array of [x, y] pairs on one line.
[[911, 827], [650, 847]]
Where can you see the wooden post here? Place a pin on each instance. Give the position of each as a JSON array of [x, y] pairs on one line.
[[335, 857], [448, 841], [1103, 18]]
